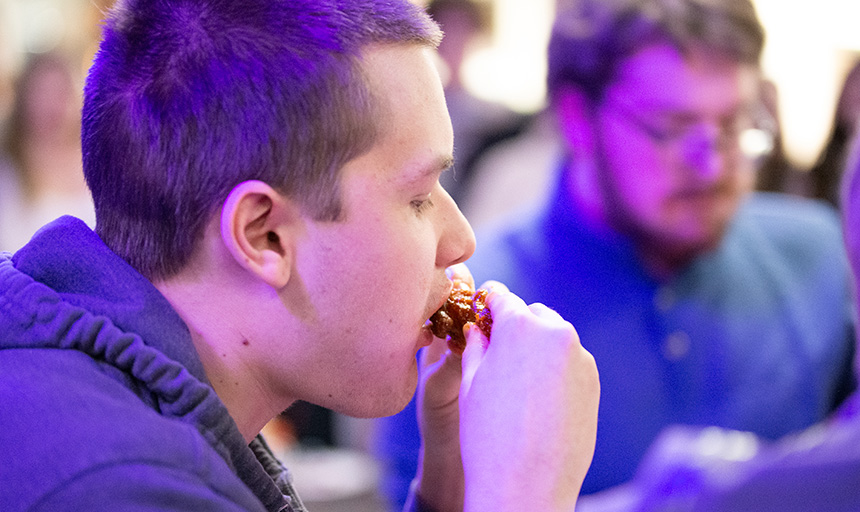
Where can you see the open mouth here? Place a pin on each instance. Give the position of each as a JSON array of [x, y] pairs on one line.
[[463, 306]]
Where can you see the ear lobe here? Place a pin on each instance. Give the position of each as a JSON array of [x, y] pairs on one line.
[[574, 114], [256, 228]]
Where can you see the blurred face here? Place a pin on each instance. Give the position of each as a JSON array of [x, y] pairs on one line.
[[667, 140], [50, 104], [375, 277]]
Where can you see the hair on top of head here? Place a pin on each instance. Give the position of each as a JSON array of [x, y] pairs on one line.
[[188, 98], [591, 37]]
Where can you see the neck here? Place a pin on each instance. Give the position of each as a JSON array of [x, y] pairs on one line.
[[581, 184], [660, 264], [225, 352]]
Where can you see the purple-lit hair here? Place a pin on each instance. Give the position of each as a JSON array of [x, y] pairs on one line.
[[590, 38], [188, 98], [849, 205]]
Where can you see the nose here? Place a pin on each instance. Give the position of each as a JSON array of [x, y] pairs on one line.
[[705, 152], [457, 239]]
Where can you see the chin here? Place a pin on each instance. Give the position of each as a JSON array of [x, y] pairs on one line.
[[698, 237], [690, 248], [381, 401], [386, 406], [393, 408], [393, 402]]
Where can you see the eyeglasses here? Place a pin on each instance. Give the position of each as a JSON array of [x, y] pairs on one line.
[[748, 133]]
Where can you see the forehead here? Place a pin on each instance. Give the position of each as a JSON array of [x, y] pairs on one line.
[[415, 129], [661, 77]]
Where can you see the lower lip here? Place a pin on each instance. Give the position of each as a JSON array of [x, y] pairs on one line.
[[698, 193], [700, 200], [426, 337]]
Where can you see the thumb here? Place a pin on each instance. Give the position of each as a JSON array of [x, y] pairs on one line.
[[440, 383], [445, 370], [472, 356]]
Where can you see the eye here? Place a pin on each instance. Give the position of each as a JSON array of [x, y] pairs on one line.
[[666, 130], [421, 205]]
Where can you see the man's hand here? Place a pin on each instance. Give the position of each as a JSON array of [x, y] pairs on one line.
[[528, 409], [519, 427], [440, 470]]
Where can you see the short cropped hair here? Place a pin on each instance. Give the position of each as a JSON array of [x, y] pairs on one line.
[[188, 98], [590, 38]]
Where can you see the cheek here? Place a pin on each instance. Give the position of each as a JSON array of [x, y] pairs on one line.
[[638, 177], [745, 178], [400, 254], [637, 182], [384, 268]]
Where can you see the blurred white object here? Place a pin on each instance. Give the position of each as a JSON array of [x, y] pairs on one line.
[[331, 474]]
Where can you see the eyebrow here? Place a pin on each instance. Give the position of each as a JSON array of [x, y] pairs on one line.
[[442, 163], [446, 163]]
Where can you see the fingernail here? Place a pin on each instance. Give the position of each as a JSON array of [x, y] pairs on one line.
[[467, 328]]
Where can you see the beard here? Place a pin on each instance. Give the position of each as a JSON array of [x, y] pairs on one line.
[[665, 248]]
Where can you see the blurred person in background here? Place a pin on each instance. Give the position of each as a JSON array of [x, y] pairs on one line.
[[8, 55], [711, 469], [478, 124], [41, 175], [825, 175], [703, 303]]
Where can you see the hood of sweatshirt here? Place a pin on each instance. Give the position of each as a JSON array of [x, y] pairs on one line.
[[67, 290]]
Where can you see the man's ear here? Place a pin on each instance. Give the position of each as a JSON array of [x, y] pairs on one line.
[[257, 226], [574, 113]]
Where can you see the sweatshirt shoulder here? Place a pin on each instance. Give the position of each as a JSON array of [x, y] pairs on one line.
[[70, 417]]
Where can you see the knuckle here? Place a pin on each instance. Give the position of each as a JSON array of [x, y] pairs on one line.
[[565, 333]]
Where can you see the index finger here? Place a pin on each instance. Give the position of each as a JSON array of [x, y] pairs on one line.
[[494, 287], [500, 299]]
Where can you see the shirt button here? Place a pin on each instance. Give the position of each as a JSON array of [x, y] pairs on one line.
[[676, 346]]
